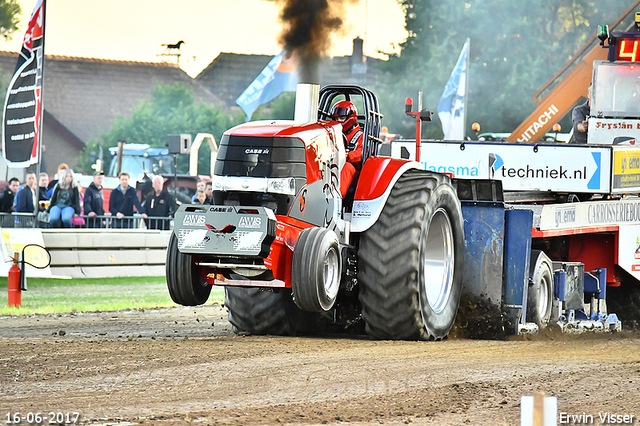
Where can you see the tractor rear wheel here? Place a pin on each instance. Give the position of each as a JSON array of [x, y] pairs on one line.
[[256, 311], [540, 294], [411, 261], [186, 285]]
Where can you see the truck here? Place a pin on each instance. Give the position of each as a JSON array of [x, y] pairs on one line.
[[584, 197], [493, 235], [142, 162]]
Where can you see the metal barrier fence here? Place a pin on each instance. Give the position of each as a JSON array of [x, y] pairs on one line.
[[28, 220]]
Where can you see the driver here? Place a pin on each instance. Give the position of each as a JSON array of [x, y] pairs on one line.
[[346, 113]]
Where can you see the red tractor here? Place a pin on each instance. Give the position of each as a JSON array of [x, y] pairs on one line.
[[292, 254]]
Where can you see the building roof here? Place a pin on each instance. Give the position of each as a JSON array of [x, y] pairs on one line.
[[229, 74], [86, 94]]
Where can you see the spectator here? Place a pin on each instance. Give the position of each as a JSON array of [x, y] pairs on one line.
[[580, 117], [94, 201], [8, 194], [42, 190], [159, 204], [201, 197], [65, 200], [208, 190], [26, 197], [52, 183], [122, 201], [200, 185]]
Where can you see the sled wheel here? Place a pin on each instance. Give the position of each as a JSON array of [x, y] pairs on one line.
[[186, 285], [411, 261], [624, 301], [256, 311], [316, 270], [540, 294]]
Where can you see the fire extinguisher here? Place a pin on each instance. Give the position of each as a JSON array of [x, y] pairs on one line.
[[17, 276], [14, 275]]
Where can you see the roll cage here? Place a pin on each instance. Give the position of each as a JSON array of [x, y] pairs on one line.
[[369, 119]]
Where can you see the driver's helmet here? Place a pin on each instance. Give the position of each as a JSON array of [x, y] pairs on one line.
[[346, 113]]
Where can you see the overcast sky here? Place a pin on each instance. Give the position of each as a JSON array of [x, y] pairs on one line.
[[136, 29]]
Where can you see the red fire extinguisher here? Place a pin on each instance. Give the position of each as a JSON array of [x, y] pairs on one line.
[[15, 295]]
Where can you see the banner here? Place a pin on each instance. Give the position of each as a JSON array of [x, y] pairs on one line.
[[23, 104], [277, 77], [451, 108]]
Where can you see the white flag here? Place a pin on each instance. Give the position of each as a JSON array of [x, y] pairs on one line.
[[451, 108]]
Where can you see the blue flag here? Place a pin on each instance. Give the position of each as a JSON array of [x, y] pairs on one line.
[[451, 108], [277, 77]]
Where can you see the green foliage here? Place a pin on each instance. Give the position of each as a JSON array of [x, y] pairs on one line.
[[56, 296], [516, 46], [171, 110], [9, 17], [281, 108]]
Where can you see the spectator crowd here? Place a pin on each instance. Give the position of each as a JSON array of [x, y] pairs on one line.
[[61, 203]]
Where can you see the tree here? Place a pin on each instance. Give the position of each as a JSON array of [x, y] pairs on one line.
[[171, 110], [280, 108], [516, 46], [9, 17]]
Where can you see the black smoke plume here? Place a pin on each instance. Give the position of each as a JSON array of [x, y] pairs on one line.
[[307, 29]]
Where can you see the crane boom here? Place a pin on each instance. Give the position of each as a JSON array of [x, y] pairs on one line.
[[566, 93]]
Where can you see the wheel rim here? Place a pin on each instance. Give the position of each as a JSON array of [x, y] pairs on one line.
[[543, 297], [331, 270], [437, 253]]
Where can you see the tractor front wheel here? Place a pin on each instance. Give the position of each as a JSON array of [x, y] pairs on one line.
[[186, 285], [316, 270]]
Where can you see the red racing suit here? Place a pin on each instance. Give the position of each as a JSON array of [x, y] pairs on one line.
[[353, 145]]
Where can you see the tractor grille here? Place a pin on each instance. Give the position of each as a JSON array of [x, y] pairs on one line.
[[251, 156]]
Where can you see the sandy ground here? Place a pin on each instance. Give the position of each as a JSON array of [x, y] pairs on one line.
[[185, 366]]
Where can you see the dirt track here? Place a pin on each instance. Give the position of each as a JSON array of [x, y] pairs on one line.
[[184, 365]]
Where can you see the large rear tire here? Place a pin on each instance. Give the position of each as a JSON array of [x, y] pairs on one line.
[[256, 311], [186, 285], [540, 294], [316, 270], [411, 261]]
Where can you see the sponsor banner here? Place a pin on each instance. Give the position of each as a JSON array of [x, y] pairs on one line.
[[23, 103], [197, 220], [614, 131], [225, 230], [588, 214], [520, 167], [629, 249], [14, 240], [626, 169]]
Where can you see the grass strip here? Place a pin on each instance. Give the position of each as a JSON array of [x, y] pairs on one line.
[[59, 296]]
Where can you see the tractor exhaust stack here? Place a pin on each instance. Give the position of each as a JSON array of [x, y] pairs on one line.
[[307, 98]]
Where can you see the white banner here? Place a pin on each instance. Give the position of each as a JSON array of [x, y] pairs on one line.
[[613, 131], [629, 249], [520, 167], [590, 214]]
